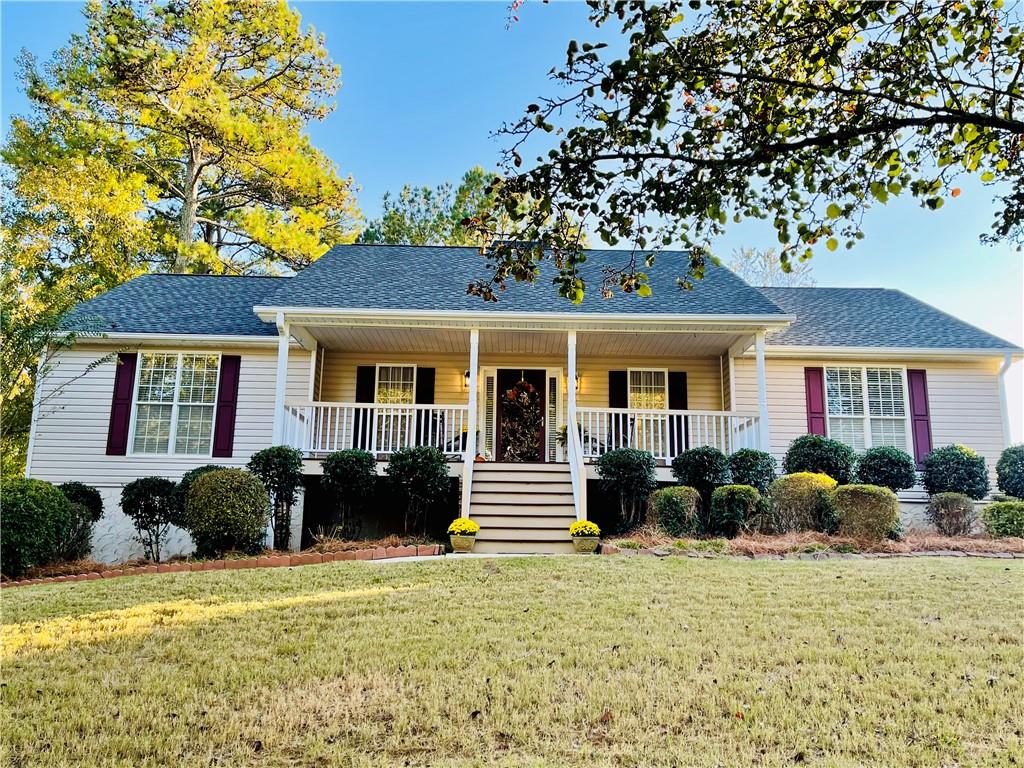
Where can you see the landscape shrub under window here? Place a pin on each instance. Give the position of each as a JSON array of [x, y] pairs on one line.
[[85, 510], [349, 478], [227, 511], [1010, 471], [799, 502], [676, 510], [732, 506], [866, 511], [748, 466], [35, 514], [1004, 519], [152, 506], [952, 514], [185, 485], [628, 474], [87, 496], [821, 455], [421, 476], [956, 469], [888, 467], [704, 468]]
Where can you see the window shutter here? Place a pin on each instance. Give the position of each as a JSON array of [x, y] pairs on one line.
[[551, 423], [425, 386], [121, 404], [366, 385], [227, 402], [426, 428], [814, 387], [678, 429], [490, 388], [920, 420], [618, 390]]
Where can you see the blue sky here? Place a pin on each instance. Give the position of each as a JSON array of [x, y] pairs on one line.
[[424, 85]]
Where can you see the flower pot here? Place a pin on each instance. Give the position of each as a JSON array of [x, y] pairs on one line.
[[462, 543], [585, 545]]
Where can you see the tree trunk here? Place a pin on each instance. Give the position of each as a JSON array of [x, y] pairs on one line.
[[189, 209]]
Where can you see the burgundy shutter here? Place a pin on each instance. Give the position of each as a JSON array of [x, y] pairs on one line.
[[920, 421], [426, 428], [814, 386], [678, 429], [366, 386], [227, 403], [121, 405]]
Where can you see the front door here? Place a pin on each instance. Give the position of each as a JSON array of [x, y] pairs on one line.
[[519, 433]]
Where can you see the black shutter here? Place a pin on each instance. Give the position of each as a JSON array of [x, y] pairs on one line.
[[678, 429], [618, 397], [424, 386], [426, 429], [366, 390], [618, 392]]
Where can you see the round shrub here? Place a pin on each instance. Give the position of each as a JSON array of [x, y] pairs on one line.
[[952, 514], [676, 510], [955, 469], [227, 511], [821, 455], [732, 506], [866, 511], [280, 470], [1004, 519], [150, 503], [888, 467], [35, 515], [421, 475], [87, 496], [749, 466], [185, 485], [349, 478], [628, 474], [800, 502], [703, 468], [1010, 471]]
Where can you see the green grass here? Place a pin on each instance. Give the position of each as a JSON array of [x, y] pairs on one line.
[[563, 661]]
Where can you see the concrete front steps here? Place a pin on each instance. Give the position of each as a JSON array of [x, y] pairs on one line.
[[522, 507]]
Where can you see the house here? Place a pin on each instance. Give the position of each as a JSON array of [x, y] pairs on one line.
[[379, 347]]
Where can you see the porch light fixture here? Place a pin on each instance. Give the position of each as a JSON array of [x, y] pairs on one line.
[[465, 380]]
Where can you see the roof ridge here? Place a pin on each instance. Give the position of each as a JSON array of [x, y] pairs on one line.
[[195, 274]]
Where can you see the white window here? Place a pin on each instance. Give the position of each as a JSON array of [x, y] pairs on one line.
[[867, 406], [648, 389], [175, 402], [396, 384]]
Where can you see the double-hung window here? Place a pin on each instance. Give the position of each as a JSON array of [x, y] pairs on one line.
[[175, 402], [396, 386], [867, 407], [648, 389]]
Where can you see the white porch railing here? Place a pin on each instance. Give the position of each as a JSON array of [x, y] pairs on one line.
[[321, 428], [664, 434]]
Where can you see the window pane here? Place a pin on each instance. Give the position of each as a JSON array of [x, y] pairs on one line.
[[152, 428], [889, 432], [395, 384], [647, 390], [845, 391], [849, 431], [195, 428], [198, 379], [156, 378], [885, 392]]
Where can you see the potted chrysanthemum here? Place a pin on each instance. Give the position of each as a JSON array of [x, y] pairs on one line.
[[462, 533], [585, 536]]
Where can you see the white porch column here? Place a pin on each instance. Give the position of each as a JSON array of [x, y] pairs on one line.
[[283, 340], [571, 375], [572, 443], [762, 393], [469, 456], [1004, 408]]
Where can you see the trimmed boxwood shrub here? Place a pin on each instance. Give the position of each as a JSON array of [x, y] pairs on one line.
[[349, 477], [87, 496], [952, 514], [279, 468], [1004, 519], [676, 510], [185, 485], [85, 510], [888, 467], [628, 474], [227, 511], [732, 506], [866, 511], [152, 506], [956, 469], [748, 466], [1010, 471], [421, 477], [704, 468], [35, 515], [821, 455], [800, 502]]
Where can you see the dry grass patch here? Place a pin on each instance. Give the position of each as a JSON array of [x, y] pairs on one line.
[[542, 661]]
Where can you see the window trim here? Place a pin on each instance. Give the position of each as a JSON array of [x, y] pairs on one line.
[[629, 387], [170, 453], [376, 380], [866, 417]]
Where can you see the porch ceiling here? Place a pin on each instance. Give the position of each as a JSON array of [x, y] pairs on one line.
[[384, 339], [641, 344]]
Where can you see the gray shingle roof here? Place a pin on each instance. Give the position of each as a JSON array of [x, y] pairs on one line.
[[181, 304], [872, 317], [388, 277]]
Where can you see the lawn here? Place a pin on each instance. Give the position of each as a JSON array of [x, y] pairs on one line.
[[557, 661]]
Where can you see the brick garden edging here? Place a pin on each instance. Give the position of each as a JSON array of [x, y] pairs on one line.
[[611, 549], [263, 561]]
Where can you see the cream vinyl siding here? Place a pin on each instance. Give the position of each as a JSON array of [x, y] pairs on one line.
[[703, 382], [963, 400], [338, 379], [71, 429]]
